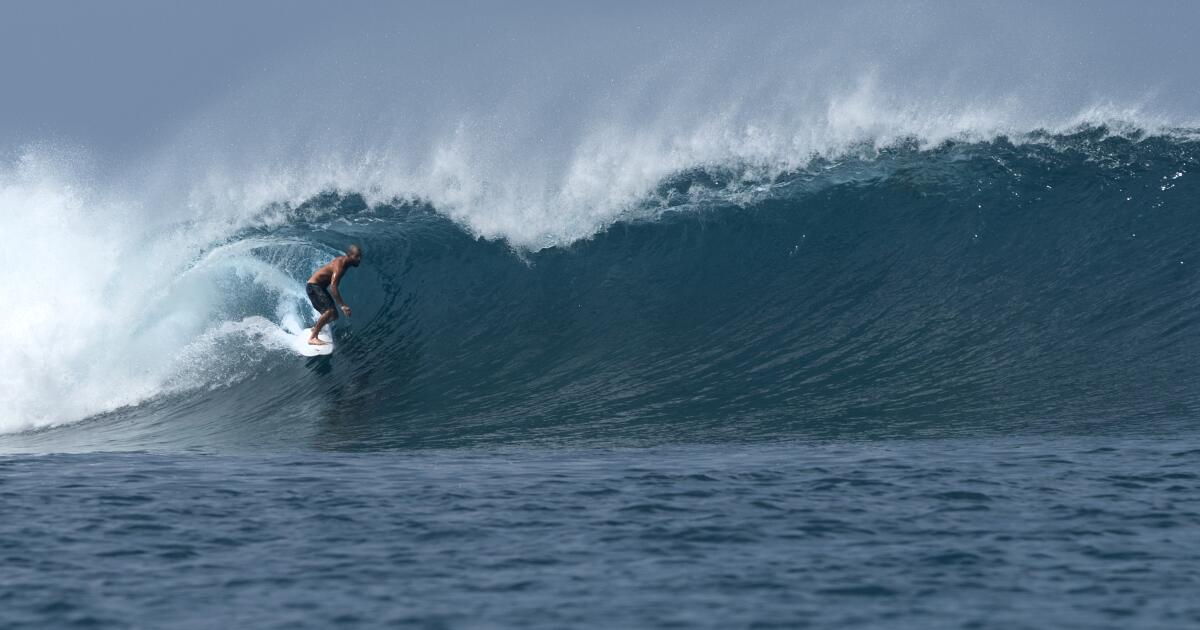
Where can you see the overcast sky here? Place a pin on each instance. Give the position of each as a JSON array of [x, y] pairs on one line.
[[118, 75]]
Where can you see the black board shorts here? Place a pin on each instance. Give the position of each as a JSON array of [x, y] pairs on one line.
[[319, 296]]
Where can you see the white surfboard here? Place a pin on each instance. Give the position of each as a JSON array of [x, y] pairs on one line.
[[301, 345]]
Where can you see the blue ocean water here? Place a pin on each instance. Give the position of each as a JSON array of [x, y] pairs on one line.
[[1064, 532], [910, 387]]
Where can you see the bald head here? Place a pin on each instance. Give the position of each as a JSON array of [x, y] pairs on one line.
[[354, 253]]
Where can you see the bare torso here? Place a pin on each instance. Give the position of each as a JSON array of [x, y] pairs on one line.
[[324, 275]]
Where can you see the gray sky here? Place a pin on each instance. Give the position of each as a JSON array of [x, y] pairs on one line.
[[113, 73], [118, 77]]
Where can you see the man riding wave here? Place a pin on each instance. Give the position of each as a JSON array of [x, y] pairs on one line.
[[325, 281]]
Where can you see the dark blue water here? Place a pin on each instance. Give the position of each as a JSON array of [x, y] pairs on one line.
[[998, 533], [922, 387]]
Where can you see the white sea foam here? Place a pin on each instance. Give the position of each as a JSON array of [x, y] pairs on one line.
[[105, 308], [541, 132], [534, 197]]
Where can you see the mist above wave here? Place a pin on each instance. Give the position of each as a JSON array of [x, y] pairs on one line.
[[541, 125]]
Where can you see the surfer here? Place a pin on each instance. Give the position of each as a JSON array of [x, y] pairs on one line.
[[325, 281]]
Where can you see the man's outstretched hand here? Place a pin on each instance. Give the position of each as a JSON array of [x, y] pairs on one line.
[[346, 310]]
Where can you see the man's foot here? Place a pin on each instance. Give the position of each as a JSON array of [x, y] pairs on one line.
[[313, 341]]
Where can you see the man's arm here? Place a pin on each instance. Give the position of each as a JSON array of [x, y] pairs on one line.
[[333, 286]]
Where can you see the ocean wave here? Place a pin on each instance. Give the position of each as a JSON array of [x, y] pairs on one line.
[[1040, 282]]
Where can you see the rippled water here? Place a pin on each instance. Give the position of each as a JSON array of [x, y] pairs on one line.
[[1033, 533]]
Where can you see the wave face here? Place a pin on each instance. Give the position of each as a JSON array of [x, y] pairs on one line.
[[1041, 285]]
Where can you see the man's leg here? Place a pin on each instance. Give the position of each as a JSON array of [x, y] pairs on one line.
[[325, 318]]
